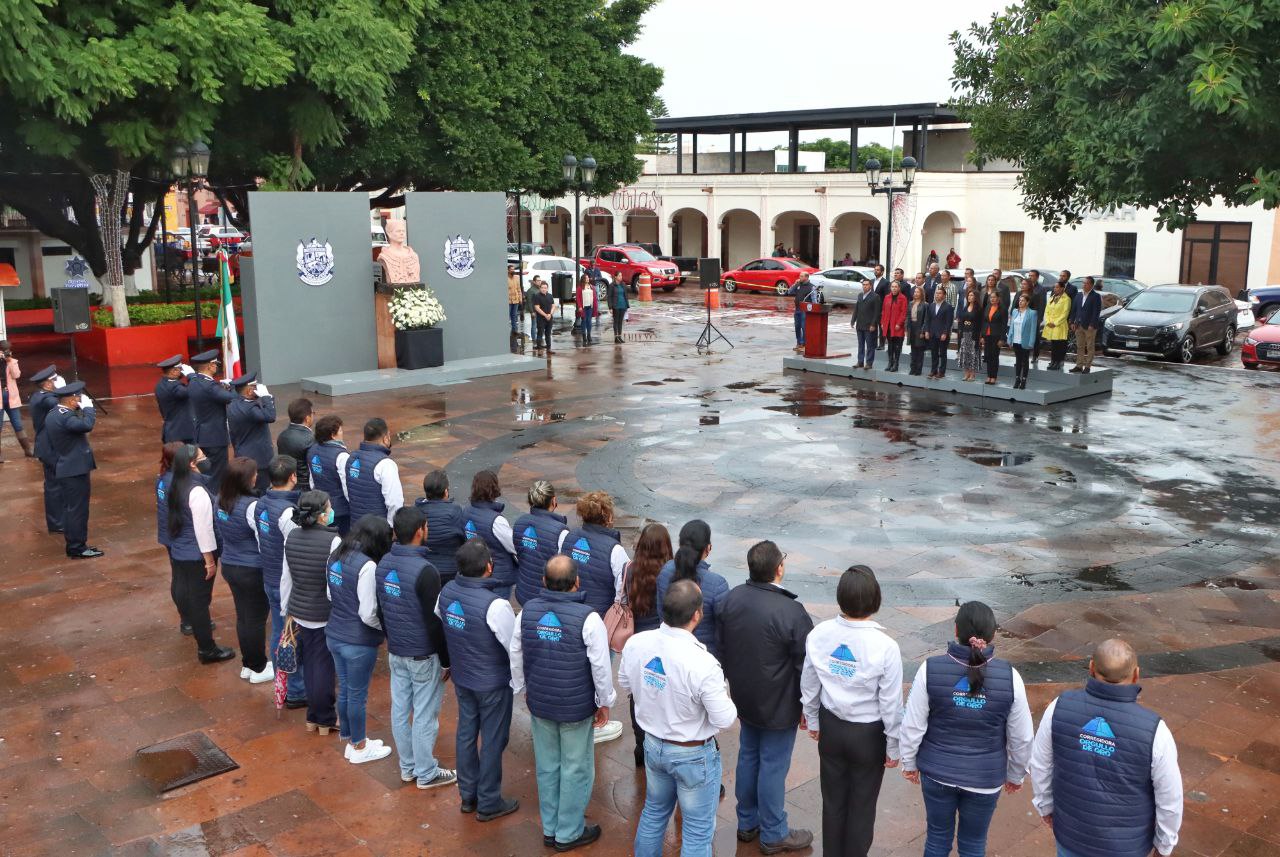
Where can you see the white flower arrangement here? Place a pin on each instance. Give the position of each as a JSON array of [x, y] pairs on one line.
[[415, 309]]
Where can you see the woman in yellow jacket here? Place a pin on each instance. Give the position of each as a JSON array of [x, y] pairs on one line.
[[1056, 310]]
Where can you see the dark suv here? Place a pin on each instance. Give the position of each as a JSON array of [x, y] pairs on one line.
[[1174, 321]]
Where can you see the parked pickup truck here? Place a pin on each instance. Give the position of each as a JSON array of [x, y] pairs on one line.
[[632, 260], [686, 264]]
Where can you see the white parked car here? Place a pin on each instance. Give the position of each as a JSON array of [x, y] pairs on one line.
[[225, 234], [842, 284], [545, 266]]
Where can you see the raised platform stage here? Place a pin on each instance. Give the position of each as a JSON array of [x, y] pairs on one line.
[[1043, 388], [456, 372]]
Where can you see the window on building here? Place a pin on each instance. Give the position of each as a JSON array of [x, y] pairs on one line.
[[1215, 254], [1011, 250], [786, 168], [1119, 257]]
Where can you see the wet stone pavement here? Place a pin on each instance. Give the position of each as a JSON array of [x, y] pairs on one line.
[[1150, 514]]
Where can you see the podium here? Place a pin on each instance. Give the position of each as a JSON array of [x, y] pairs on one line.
[[815, 331]]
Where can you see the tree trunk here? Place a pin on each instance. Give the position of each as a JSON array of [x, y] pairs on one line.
[[130, 287], [112, 193]]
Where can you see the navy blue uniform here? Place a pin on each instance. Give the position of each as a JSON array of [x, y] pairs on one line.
[[175, 410], [40, 405], [209, 400], [68, 440], [247, 421]]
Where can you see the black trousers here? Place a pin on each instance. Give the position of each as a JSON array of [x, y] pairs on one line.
[[192, 593], [261, 485], [52, 500], [851, 770], [1035, 349], [319, 675], [75, 511], [991, 353], [1021, 361], [895, 351], [541, 332], [217, 456], [619, 316], [917, 356], [1058, 351], [245, 583], [636, 731], [938, 354]]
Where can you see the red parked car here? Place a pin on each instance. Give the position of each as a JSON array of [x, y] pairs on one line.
[[776, 275], [1262, 344], [631, 261]]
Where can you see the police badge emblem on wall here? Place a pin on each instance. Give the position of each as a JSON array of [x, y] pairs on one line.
[[459, 257], [315, 262]]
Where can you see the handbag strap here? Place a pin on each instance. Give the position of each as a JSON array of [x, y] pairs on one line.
[[626, 586]]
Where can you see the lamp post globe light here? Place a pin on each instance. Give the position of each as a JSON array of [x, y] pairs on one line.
[[578, 176], [878, 184], [192, 161]]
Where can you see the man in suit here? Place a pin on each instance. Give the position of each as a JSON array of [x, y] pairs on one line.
[[1064, 277], [171, 399], [42, 402], [937, 331], [866, 320], [1086, 311], [209, 399], [931, 280], [879, 283], [1039, 297], [247, 419], [68, 426], [297, 440]]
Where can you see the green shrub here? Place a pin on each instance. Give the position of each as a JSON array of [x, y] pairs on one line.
[[144, 314]]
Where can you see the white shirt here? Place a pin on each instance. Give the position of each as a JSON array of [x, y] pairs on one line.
[[677, 685], [366, 594], [201, 506], [618, 562], [500, 618], [854, 670], [286, 579], [1017, 730], [386, 474], [341, 463], [596, 639], [1166, 779], [503, 533], [250, 518]]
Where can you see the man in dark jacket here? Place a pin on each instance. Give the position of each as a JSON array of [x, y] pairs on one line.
[[1086, 312], [68, 426], [209, 399], [42, 403], [248, 418], [296, 440], [937, 331], [1039, 297], [866, 320], [802, 291], [762, 633], [171, 399]]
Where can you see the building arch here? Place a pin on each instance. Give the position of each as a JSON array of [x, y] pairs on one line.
[[557, 229], [797, 230], [689, 235], [641, 225], [597, 228], [858, 234], [939, 232], [739, 237]]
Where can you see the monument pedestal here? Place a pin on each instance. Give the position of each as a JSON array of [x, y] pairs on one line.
[[385, 329]]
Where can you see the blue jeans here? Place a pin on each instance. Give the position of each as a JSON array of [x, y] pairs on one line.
[[297, 687], [588, 319], [866, 347], [417, 688], [484, 717], [942, 804], [764, 757], [14, 412], [513, 311], [354, 665], [564, 755], [689, 776], [799, 319]]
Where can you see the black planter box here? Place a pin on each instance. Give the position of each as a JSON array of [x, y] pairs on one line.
[[420, 349]]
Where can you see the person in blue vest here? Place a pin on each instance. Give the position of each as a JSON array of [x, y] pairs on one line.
[[42, 401], [163, 478], [479, 626], [171, 399], [690, 563], [408, 588], [483, 520], [274, 514], [248, 418], [444, 524], [1104, 768], [304, 597], [966, 733], [354, 632], [372, 477], [209, 399], [235, 521], [67, 427], [560, 659], [539, 535], [327, 462]]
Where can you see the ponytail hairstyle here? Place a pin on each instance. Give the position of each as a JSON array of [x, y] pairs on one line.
[[976, 628], [695, 538], [310, 506], [167, 452], [180, 486]]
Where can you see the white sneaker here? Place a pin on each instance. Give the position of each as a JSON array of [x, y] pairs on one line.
[[268, 674], [245, 672], [368, 742], [608, 732], [372, 752]]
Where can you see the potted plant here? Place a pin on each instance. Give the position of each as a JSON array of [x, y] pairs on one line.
[[415, 314]]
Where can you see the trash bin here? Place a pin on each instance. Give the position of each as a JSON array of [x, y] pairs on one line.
[[562, 286]]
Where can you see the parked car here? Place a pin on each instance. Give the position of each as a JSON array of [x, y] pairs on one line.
[[528, 248], [544, 266], [843, 284], [1262, 345], [776, 275], [1114, 290], [1174, 321], [684, 264], [227, 235], [1264, 300], [631, 261]]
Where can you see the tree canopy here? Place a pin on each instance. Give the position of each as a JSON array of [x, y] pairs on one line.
[[1127, 102], [837, 152]]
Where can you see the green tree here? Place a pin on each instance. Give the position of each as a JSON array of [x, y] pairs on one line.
[[1126, 102], [652, 142], [837, 152]]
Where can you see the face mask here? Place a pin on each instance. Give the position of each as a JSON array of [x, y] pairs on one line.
[[205, 466], [328, 518]]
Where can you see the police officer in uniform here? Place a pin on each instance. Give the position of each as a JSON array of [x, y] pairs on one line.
[[68, 426], [247, 419], [42, 402], [171, 399], [209, 399]]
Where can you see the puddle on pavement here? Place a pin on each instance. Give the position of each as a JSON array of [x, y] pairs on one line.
[[1059, 475], [538, 415], [992, 457], [709, 420], [1105, 576], [807, 409], [673, 380], [425, 432], [647, 384], [1225, 583], [742, 385]]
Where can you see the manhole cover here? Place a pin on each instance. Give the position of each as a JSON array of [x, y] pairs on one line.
[[181, 761]]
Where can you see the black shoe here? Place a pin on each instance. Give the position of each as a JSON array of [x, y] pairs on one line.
[[722, 791], [216, 655], [467, 807], [748, 835], [639, 754], [87, 553], [548, 842], [1075, 369], [185, 629], [1085, 370], [295, 703], [590, 834], [55, 532], [507, 807]]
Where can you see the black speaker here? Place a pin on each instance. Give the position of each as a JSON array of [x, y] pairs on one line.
[[709, 273], [70, 310]]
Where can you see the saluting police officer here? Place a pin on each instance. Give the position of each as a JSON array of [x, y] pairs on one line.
[[171, 399], [247, 419], [42, 402], [68, 426], [209, 399]]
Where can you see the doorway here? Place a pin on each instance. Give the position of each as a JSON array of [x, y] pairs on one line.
[[1215, 254]]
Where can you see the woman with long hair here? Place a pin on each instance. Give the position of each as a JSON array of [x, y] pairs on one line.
[[585, 297], [967, 333], [690, 563], [354, 631], [917, 324], [966, 733], [1057, 310], [235, 522], [653, 551], [993, 326], [1023, 325], [304, 596]]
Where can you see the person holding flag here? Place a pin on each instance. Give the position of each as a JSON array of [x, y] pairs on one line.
[[227, 330]]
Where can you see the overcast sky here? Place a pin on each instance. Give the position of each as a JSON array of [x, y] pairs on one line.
[[746, 56]]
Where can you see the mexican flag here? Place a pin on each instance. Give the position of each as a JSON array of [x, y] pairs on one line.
[[227, 321]]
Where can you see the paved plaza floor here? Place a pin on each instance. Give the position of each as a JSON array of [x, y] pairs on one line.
[[1152, 514]]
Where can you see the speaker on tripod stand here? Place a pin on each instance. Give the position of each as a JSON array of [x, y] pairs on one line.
[[709, 278]]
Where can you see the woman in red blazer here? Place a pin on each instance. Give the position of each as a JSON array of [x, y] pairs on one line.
[[588, 306], [893, 323]]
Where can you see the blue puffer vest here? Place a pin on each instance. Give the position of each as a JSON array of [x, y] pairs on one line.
[[591, 547], [444, 534], [478, 661], [477, 521], [402, 617], [345, 624], [364, 494], [162, 508], [239, 546], [557, 674], [271, 506], [183, 546], [965, 742], [1103, 799], [322, 459], [714, 589], [537, 539]]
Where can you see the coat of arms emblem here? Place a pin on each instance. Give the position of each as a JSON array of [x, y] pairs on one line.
[[459, 257], [315, 262]]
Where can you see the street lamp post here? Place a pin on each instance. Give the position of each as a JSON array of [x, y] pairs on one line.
[[890, 190], [193, 162], [572, 168]]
